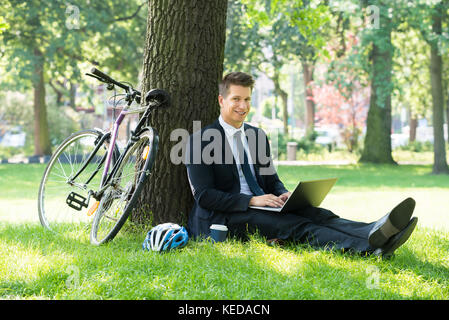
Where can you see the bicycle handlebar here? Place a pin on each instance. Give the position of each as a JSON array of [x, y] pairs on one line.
[[102, 75], [159, 95], [105, 78]]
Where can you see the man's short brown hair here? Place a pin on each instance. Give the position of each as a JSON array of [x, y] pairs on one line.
[[235, 78]]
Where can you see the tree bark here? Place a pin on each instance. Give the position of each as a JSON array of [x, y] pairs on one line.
[[447, 115], [42, 144], [58, 93], [412, 123], [413, 126], [72, 92], [183, 55], [377, 144], [436, 78], [310, 104], [284, 98]]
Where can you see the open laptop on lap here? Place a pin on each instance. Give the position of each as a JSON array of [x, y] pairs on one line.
[[306, 194]]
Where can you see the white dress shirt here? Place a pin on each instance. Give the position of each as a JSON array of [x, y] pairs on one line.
[[230, 132]]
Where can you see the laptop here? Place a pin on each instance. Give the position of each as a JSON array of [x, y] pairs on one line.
[[306, 194]]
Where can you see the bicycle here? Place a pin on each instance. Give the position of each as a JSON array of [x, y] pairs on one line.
[[71, 183]]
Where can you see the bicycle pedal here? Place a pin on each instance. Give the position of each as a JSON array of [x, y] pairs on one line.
[[76, 201]]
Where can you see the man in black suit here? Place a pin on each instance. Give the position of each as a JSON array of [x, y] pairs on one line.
[[230, 168]]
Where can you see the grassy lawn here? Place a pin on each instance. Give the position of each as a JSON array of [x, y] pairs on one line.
[[37, 264]]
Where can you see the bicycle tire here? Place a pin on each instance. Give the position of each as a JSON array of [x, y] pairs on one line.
[[111, 214], [54, 212]]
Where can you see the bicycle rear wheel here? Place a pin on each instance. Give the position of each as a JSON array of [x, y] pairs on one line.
[[121, 195], [58, 188]]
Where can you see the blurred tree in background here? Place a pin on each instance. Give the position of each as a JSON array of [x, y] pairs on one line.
[[50, 42], [396, 52]]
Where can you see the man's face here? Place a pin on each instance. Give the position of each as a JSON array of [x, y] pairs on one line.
[[235, 106]]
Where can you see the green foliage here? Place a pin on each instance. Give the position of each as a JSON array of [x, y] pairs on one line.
[[243, 48], [63, 122], [421, 15], [267, 108], [55, 42], [417, 146], [411, 72], [308, 17], [306, 144], [16, 108], [71, 36], [9, 152], [3, 25]]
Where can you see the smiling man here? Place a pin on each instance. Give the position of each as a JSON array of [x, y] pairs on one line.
[[225, 186]]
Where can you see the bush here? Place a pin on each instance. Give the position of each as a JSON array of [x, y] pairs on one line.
[[62, 122], [306, 144], [9, 152], [418, 146]]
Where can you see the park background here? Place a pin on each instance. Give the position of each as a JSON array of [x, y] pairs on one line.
[[358, 89]]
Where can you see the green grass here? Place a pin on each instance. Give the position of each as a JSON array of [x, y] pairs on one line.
[[37, 264]]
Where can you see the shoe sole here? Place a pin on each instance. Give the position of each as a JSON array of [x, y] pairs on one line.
[[397, 220], [399, 239]]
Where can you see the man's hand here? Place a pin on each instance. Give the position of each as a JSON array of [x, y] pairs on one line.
[[285, 196], [268, 200]]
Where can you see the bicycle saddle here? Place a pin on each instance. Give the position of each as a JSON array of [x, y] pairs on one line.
[[159, 95]]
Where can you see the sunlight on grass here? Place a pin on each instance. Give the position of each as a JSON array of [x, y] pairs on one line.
[[369, 205], [34, 268], [28, 270], [19, 210], [38, 264], [265, 256]]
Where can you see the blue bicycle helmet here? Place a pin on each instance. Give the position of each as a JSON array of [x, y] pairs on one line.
[[165, 237]]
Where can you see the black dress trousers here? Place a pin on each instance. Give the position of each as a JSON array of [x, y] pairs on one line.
[[315, 226]]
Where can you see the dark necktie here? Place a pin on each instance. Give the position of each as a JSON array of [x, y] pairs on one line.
[[249, 177]]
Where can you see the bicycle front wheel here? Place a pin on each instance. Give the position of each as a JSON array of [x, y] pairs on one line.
[[121, 195], [62, 200]]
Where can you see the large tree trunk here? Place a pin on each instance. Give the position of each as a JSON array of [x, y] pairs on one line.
[[42, 144], [447, 115], [377, 145], [310, 104], [184, 56], [436, 79]]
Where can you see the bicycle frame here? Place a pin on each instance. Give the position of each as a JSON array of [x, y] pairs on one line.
[[112, 135], [125, 111]]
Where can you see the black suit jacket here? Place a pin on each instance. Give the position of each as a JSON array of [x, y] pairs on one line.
[[214, 178]]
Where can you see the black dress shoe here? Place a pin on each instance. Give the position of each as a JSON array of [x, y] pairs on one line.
[[391, 224], [397, 240]]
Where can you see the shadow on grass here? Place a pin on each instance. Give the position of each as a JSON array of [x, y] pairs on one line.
[[229, 270], [327, 274], [419, 266]]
